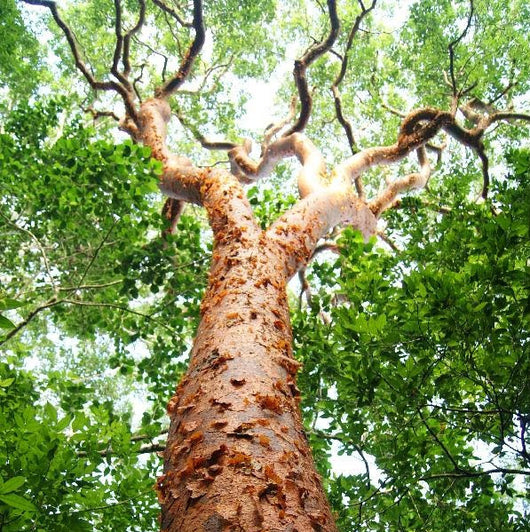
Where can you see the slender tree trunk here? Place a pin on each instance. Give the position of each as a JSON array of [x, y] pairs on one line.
[[237, 457]]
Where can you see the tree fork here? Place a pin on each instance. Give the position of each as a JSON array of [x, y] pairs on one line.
[[237, 457]]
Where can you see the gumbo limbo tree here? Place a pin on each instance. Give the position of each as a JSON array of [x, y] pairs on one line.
[[411, 328]]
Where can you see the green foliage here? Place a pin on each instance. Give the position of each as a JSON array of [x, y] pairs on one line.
[[108, 324], [20, 56], [426, 368], [54, 476]]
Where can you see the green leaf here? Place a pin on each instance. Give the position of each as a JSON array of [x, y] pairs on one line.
[[10, 304], [16, 501], [5, 323], [12, 484]]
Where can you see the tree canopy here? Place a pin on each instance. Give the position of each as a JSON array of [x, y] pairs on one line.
[[414, 344]]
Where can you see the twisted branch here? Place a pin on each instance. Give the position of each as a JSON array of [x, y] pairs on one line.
[[171, 86], [300, 67], [340, 77]]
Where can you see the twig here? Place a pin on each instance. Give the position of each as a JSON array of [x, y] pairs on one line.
[[173, 13], [451, 47], [205, 143], [50, 303], [105, 238], [144, 449], [41, 249], [117, 307], [473, 474]]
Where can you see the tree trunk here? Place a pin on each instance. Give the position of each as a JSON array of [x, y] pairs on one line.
[[237, 457]]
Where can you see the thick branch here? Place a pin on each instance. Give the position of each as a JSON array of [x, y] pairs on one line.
[[298, 231], [127, 39], [171, 211], [298, 145], [414, 133], [394, 188]]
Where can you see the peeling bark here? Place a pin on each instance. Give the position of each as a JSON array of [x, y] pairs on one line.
[[237, 457]]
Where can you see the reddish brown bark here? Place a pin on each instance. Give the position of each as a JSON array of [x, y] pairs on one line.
[[237, 457]]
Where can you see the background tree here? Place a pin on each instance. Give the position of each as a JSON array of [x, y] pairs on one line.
[[414, 349]]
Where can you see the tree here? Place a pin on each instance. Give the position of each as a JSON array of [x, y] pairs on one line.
[[413, 354]]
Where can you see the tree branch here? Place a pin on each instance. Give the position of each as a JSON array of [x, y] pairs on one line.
[[338, 80], [171, 86], [300, 67], [50, 303], [451, 48], [473, 474], [204, 142], [127, 39], [173, 13], [117, 87], [394, 188], [144, 449], [298, 145], [439, 442], [39, 245]]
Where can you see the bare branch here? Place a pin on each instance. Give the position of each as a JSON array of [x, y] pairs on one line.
[[416, 129], [393, 189], [127, 39], [390, 243], [439, 442], [205, 143], [98, 249], [503, 92], [451, 48], [118, 87], [300, 67], [305, 289], [144, 449], [119, 43], [96, 115], [272, 129], [474, 474], [485, 169], [81, 303], [89, 286], [156, 52], [39, 245], [178, 79], [173, 13], [50, 303], [313, 164], [171, 211], [338, 80]]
